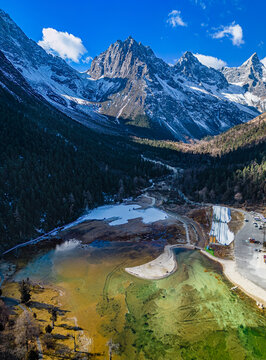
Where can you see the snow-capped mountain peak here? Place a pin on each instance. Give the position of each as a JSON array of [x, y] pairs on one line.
[[253, 60], [50, 76], [189, 66], [185, 100], [128, 89], [251, 75]]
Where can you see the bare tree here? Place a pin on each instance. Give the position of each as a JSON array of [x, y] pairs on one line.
[[53, 313], [26, 330], [4, 315]]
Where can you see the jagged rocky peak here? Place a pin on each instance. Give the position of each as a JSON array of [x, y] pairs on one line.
[[15, 44], [4, 15], [187, 64], [255, 66], [252, 66], [251, 70], [253, 60], [191, 68], [124, 59], [188, 58], [186, 100], [251, 76], [24, 53]]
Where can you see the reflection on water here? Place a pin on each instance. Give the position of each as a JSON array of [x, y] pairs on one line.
[[192, 314], [67, 245]]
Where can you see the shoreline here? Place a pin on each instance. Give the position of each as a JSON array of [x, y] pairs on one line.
[[165, 265], [161, 267], [231, 273]]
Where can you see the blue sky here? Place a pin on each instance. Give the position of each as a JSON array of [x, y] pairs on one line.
[[230, 30]]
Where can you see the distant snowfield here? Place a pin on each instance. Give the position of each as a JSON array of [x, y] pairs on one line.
[[220, 219], [120, 214]]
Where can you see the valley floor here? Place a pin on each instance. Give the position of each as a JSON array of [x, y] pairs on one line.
[[157, 230]]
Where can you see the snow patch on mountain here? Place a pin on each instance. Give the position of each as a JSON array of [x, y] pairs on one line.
[[174, 93], [188, 99]]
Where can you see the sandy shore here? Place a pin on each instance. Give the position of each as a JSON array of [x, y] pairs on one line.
[[247, 286], [159, 268], [165, 265]]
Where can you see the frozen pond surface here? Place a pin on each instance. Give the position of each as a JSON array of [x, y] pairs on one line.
[[220, 219], [120, 214]]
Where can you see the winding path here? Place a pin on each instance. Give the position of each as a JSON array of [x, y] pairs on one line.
[[245, 272], [240, 271]]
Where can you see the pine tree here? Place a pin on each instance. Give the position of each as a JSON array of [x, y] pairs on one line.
[[24, 288]]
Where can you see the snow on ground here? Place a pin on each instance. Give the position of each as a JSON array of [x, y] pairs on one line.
[[122, 109], [220, 219], [171, 128], [174, 93], [77, 100], [201, 90], [120, 214], [174, 169]]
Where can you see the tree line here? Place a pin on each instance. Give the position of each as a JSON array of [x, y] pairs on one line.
[[52, 169]]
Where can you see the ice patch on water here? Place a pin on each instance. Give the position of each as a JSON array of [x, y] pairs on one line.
[[120, 214]]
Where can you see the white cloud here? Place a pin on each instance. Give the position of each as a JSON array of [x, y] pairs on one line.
[[233, 31], [264, 61], [87, 59], [210, 61], [174, 19], [200, 3], [66, 45]]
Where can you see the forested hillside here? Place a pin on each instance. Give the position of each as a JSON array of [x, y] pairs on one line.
[[236, 172], [239, 136], [245, 135], [237, 177], [228, 168], [51, 168]]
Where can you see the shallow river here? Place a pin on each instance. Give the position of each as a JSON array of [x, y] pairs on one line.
[[192, 314]]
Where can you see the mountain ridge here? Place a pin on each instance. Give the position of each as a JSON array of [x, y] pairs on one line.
[[128, 90], [53, 168], [184, 89], [251, 75]]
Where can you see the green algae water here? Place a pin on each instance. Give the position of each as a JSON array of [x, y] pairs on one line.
[[192, 314]]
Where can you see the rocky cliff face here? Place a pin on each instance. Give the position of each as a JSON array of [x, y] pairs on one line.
[[126, 59], [189, 67], [129, 90], [251, 76], [52, 78], [182, 101]]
